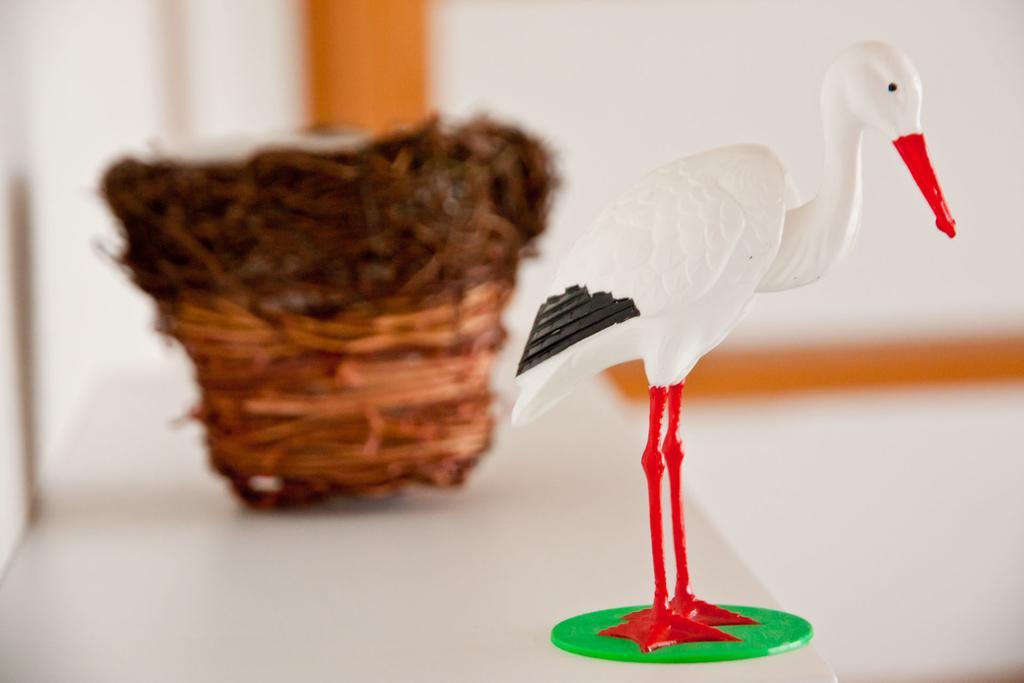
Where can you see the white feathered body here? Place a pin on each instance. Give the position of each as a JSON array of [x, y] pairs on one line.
[[689, 244]]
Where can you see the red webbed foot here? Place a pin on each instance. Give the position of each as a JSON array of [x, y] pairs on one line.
[[691, 608], [652, 629]]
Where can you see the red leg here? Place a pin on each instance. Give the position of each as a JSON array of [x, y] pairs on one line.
[[673, 449], [683, 602], [653, 468], [658, 626]]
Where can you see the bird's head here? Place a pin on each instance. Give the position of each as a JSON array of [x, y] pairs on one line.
[[880, 87]]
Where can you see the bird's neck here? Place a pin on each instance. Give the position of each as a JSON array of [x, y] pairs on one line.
[[817, 235]]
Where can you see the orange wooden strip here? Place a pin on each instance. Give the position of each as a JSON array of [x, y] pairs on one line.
[[366, 62], [725, 373]]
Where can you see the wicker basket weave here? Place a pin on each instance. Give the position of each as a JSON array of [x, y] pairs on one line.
[[338, 371]]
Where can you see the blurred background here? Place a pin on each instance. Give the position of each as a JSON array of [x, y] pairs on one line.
[[908, 491]]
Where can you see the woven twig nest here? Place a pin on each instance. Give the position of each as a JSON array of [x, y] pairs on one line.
[[342, 310]]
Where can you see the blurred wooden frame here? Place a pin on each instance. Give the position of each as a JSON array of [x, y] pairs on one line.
[[771, 371], [367, 62]]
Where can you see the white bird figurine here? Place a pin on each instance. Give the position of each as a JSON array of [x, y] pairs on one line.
[[671, 266]]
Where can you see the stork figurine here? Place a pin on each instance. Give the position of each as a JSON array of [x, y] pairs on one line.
[[671, 266]]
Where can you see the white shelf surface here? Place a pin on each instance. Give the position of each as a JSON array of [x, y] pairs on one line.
[[141, 567]]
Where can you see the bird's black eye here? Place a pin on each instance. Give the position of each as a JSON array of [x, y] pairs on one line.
[[893, 87]]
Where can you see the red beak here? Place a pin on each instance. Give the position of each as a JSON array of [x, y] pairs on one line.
[[915, 156]]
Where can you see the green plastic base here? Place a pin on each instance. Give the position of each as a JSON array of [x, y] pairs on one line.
[[775, 632]]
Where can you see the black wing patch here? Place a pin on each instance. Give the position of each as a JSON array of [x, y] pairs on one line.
[[567, 318]]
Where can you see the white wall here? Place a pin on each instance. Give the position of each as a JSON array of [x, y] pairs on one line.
[[242, 67], [13, 457], [94, 76], [620, 87], [109, 76]]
